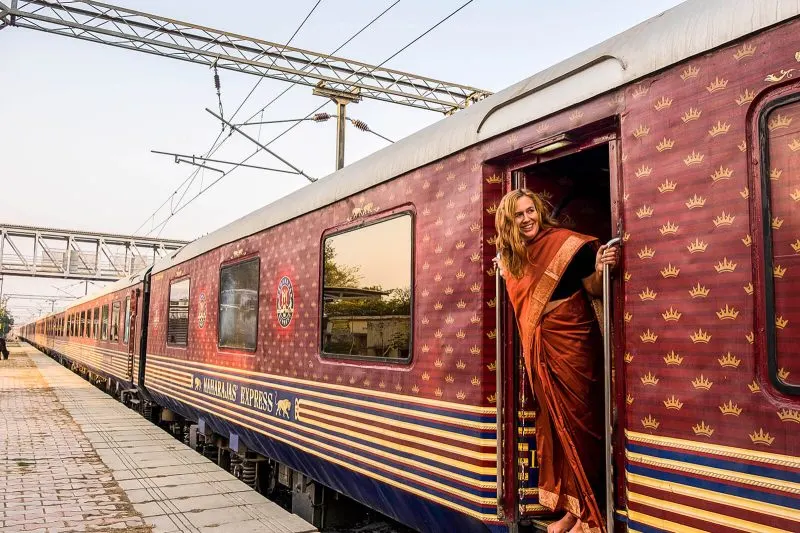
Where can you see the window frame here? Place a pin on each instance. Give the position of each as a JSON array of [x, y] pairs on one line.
[[229, 264], [82, 328], [770, 328], [188, 313], [363, 223], [104, 328], [126, 313], [96, 323], [111, 317]]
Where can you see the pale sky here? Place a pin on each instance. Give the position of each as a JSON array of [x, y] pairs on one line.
[[79, 119]]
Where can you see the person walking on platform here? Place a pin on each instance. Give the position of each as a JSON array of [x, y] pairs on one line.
[[3, 347], [550, 274]]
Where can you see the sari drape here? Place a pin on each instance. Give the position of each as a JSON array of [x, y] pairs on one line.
[[562, 351]]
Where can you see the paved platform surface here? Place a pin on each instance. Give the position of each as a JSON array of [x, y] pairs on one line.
[[74, 459]]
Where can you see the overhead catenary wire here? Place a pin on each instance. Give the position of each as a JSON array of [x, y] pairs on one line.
[[416, 39]]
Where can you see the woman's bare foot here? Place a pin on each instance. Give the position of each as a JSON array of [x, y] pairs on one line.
[[564, 525], [577, 528]]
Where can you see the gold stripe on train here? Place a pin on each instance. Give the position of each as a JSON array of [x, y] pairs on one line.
[[659, 523]]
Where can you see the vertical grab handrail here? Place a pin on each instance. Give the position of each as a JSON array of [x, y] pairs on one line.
[[498, 287], [608, 419]]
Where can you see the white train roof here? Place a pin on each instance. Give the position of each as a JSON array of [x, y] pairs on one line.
[[684, 31]]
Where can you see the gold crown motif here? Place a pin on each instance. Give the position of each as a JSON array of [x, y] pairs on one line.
[[543, 127], [425, 320], [663, 103], [438, 334], [779, 122], [628, 358], [494, 179], [729, 313], [474, 227], [669, 228], [437, 278], [475, 257], [646, 253], [648, 336], [720, 128], [647, 294], [426, 184], [796, 246], [415, 389], [425, 348], [644, 212], [671, 315], [438, 249], [722, 173], [438, 392], [425, 292], [462, 187], [575, 115], [475, 350], [692, 114], [746, 97], [616, 100], [451, 204], [700, 336], [461, 395], [460, 274], [460, 334], [777, 223], [747, 240], [745, 193], [448, 290], [690, 72], [778, 271], [629, 399], [492, 209], [649, 379], [794, 146], [783, 374], [750, 337], [492, 241], [730, 408], [696, 201], [475, 197], [673, 359], [448, 349], [789, 415], [460, 245], [451, 176], [742, 146], [449, 378], [426, 266], [747, 50], [667, 186], [492, 366], [754, 388], [475, 287], [650, 423], [492, 398], [717, 85], [439, 167], [781, 322], [749, 289], [491, 303], [627, 276], [643, 171], [695, 158], [426, 376], [702, 429], [795, 195], [449, 319], [697, 246], [702, 382], [461, 365], [439, 195], [475, 319], [492, 334], [545, 194], [438, 363], [673, 403], [475, 381], [628, 317], [641, 131], [665, 144], [449, 231], [761, 437], [640, 91], [670, 271], [729, 360], [725, 266]]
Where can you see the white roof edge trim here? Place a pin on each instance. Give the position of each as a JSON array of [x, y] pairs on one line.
[[114, 287], [682, 32]]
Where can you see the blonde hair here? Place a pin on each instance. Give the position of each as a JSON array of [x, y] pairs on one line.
[[510, 242]]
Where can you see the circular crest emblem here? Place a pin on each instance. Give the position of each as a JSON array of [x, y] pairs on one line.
[[285, 302], [201, 311]]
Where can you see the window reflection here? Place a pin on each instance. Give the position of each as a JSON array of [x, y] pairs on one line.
[[238, 305], [178, 314], [367, 291]]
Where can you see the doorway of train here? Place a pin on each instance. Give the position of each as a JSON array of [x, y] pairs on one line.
[[577, 174]]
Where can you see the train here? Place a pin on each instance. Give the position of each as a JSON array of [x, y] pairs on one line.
[[353, 335]]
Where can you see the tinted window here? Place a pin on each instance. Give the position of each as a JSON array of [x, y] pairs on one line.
[[115, 307], [238, 305], [366, 297], [178, 317], [96, 323], [83, 323], [127, 319], [104, 324]]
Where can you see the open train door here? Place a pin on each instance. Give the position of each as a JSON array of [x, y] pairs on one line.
[[581, 183], [132, 332]]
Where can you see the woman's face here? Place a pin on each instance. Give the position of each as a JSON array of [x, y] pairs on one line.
[[526, 218]]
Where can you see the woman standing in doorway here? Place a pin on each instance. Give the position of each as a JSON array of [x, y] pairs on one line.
[[548, 272]]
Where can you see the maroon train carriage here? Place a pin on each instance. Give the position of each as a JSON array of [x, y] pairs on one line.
[[349, 334]]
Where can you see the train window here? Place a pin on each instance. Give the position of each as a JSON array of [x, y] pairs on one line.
[[779, 124], [114, 336], [96, 323], [83, 323], [238, 305], [104, 323], [127, 320], [366, 297], [178, 314]]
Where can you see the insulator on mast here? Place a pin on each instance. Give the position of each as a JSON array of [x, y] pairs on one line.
[[218, 87], [321, 117], [360, 124]]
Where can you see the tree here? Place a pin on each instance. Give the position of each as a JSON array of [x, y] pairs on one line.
[[337, 275], [6, 319]]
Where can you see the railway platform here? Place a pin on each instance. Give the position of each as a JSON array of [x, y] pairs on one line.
[[74, 459]]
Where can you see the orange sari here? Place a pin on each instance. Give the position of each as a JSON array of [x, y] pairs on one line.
[[563, 353]]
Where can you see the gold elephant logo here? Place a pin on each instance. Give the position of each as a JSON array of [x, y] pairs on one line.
[[283, 408]]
